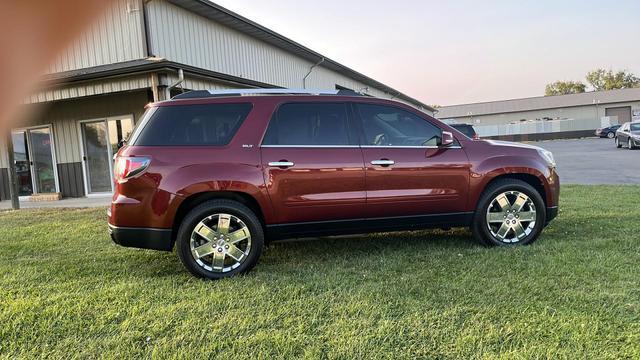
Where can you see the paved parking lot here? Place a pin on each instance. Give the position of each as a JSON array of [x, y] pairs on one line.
[[594, 161]]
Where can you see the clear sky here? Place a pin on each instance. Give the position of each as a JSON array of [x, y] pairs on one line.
[[460, 51]]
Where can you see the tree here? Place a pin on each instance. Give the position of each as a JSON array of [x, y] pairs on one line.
[[601, 79], [564, 88]]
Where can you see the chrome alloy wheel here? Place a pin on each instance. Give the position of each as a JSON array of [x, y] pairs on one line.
[[220, 243], [511, 216]]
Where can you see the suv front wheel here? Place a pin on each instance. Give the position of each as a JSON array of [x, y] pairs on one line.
[[510, 212], [220, 238]]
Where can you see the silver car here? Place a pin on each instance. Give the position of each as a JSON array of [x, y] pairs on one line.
[[628, 135]]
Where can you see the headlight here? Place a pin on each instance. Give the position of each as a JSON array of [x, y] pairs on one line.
[[548, 156]]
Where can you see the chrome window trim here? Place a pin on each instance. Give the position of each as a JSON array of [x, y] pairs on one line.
[[360, 146], [409, 147], [311, 146]]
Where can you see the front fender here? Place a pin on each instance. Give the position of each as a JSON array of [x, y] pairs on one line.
[[493, 167]]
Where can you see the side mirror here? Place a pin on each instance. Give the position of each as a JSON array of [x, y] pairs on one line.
[[447, 139], [121, 143]]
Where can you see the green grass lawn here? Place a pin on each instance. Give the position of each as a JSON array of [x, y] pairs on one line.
[[66, 289]]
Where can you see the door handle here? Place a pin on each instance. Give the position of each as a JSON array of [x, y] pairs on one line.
[[383, 162], [281, 164]]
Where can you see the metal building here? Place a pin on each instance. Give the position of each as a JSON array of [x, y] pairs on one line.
[[148, 50], [547, 117]]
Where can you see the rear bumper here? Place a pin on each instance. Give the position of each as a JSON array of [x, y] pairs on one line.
[[144, 238]]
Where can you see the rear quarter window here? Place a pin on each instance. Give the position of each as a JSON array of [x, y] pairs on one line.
[[192, 125]]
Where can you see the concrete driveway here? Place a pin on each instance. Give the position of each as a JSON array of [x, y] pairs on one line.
[[65, 203], [594, 161]]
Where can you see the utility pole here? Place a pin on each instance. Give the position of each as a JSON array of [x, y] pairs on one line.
[[13, 180]]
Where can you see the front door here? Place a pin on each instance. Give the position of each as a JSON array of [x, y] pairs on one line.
[[406, 172], [35, 166], [100, 142], [312, 166]]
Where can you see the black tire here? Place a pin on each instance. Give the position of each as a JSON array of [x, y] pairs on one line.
[[618, 145], [611, 135], [480, 228], [205, 210]]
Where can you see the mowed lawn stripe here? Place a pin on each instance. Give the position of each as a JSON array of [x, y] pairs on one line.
[[66, 289]]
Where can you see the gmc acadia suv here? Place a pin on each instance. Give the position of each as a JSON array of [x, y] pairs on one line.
[[220, 173]]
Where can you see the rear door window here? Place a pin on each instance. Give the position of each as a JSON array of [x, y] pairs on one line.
[[192, 125], [309, 124]]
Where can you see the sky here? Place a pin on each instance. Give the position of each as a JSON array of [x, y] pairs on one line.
[[461, 51]]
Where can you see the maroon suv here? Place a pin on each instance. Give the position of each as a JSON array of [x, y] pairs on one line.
[[219, 174]]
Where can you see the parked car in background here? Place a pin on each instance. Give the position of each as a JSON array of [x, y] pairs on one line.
[[608, 132], [218, 173], [467, 130], [628, 135]]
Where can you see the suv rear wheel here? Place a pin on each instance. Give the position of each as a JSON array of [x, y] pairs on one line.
[[510, 212], [220, 238]]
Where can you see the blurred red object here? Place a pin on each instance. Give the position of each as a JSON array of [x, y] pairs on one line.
[[31, 35]]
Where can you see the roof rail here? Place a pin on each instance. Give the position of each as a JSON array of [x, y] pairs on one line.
[[247, 92]]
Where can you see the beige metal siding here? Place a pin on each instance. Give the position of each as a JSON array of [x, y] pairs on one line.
[[586, 113], [115, 37], [179, 35], [542, 103], [4, 163]]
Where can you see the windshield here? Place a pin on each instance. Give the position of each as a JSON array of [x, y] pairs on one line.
[[635, 127]]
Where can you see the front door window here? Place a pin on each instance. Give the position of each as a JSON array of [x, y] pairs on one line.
[[23, 163], [101, 138], [97, 156], [35, 168], [43, 173]]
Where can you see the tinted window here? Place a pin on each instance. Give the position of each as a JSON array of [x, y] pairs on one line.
[[308, 124], [390, 126], [192, 125], [635, 127]]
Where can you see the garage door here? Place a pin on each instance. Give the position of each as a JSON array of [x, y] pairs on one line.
[[622, 113]]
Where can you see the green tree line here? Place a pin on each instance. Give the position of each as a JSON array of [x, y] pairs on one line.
[[599, 79]]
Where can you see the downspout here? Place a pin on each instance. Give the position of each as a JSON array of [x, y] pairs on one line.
[[304, 80], [175, 84]]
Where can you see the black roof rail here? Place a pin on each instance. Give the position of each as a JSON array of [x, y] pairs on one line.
[[196, 94]]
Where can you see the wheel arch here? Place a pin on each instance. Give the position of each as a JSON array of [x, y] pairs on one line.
[[198, 198], [530, 179]]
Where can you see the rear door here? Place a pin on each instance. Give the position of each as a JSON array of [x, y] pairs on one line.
[[406, 172], [312, 164]]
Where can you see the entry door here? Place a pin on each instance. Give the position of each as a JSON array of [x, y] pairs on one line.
[[100, 141], [35, 165], [312, 166], [406, 172]]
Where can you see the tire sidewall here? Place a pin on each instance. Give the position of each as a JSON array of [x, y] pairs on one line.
[[611, 135], [480, 221], [183, 239]]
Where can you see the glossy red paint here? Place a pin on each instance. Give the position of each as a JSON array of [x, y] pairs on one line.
[[333, 183]]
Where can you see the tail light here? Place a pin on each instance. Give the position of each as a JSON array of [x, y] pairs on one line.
[[129, 167]]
